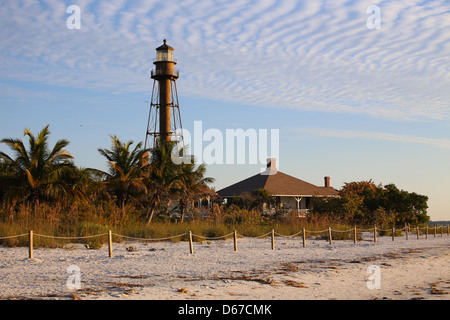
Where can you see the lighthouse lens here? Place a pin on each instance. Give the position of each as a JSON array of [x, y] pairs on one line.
[[164, 56]]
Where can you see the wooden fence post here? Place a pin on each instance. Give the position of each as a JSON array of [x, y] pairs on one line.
[[448, 230], [442, 230], [235, 240], [273, 239], [30, 245], [393, 233], [435, 229], [374, 233], [191, 246], [304, 237], [355, 237], [418, 233], [406, 231], [329, 235], [110, 243]]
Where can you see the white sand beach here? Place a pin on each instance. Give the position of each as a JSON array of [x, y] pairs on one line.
[[407, 269]]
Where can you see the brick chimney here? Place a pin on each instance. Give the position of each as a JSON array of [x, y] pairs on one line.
[[327, 182], [272, 165]]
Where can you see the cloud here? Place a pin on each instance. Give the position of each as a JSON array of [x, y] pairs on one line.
[[307, 55], [355, 134]]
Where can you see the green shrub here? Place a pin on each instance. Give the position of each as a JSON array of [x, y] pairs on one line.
[[93, 244]]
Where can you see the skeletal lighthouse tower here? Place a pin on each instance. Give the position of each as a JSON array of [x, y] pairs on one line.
[[164, 105]]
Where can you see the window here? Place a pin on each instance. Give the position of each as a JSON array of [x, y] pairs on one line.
[[164, 55]]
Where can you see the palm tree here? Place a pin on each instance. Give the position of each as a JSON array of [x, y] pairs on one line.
[[150, 176], [125, 165], [193, 184], [168, 180], [37, 174], [161, 176], [90, 182]]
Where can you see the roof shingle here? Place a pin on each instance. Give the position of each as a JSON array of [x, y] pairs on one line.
[[278, 184]]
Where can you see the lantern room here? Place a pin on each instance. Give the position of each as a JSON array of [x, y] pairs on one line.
[[164, 53]]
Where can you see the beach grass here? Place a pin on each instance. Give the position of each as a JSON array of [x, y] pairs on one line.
[[56, 226], [51, 234]]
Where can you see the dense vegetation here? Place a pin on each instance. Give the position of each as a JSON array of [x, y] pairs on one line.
[[139, 184], [143, 190], [364, 203]]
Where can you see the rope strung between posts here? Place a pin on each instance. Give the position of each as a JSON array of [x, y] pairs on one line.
[[371, 230], [70, 238], [349, 230], [213, 238], [409, 229], [285, 236], [262, 236], [147, 239], [16, 236], [312, 231]]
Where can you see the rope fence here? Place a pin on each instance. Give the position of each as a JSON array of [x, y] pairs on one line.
[[407, 230]]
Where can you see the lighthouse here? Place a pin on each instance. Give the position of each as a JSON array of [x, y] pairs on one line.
[[164, 121]]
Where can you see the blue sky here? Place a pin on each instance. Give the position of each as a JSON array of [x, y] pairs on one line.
[[350, 103]]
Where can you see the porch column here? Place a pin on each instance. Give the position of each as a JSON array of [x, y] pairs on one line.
[[298, 202]]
